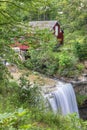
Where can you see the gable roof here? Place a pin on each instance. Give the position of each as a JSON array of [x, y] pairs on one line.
[[42, 24]]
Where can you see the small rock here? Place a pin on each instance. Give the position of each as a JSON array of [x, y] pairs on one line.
[[85, 75]]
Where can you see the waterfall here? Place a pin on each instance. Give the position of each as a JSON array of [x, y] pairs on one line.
[[63, 99]]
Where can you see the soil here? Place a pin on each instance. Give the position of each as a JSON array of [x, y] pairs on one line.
[[33, 77]]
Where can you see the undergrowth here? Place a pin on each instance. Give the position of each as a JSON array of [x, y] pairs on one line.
[[27, 115]]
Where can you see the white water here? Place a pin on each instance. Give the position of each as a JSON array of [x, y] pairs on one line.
[[63, 100]]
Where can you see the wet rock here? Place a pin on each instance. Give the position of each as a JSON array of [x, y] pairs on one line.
[[83, 113], [83, 110]]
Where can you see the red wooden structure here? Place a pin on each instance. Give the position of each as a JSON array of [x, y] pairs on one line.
[[22, 47], [51, 25], [58, 33]]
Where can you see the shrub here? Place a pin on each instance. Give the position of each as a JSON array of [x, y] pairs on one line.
[[69, 122], [80, 98], [80, 67], [14, 120], [43, 58], [67, 63], [43, 61], [28, 94], [80, 50]]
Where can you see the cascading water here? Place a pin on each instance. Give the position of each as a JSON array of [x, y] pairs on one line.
[[63, 99]]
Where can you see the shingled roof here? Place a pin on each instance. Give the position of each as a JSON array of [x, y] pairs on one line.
[[42, 24]]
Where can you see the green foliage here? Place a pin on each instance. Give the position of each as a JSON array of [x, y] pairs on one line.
[[67, 63], [80, 98], [50, 62], [69, 122], [73, 122], [13, 120], [3, 76], [81, 51], [21, 119], [9, 96], [43, 59], [44, 62], [72, 16], [23, 93], [80, 67], [28, 93]]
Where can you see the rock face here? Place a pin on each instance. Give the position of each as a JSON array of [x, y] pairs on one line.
[[80, 84], [80, 87], [83, 110]]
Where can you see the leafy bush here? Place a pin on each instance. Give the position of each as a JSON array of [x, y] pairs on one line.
[[80, 50], [44, 62], [80, 67], [65, 60], [50, 60], [67, 63], [43, 58], [69, 122], [18, 120], [28, 93], [80, 98], [21, 119], [9, 96]]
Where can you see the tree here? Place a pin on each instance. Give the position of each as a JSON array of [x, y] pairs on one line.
[[10, 16], [71, 15]]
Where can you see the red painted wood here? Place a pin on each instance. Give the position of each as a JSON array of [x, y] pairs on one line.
[[60, 36]]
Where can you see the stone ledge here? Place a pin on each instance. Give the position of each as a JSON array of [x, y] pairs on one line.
[[80, 83]]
